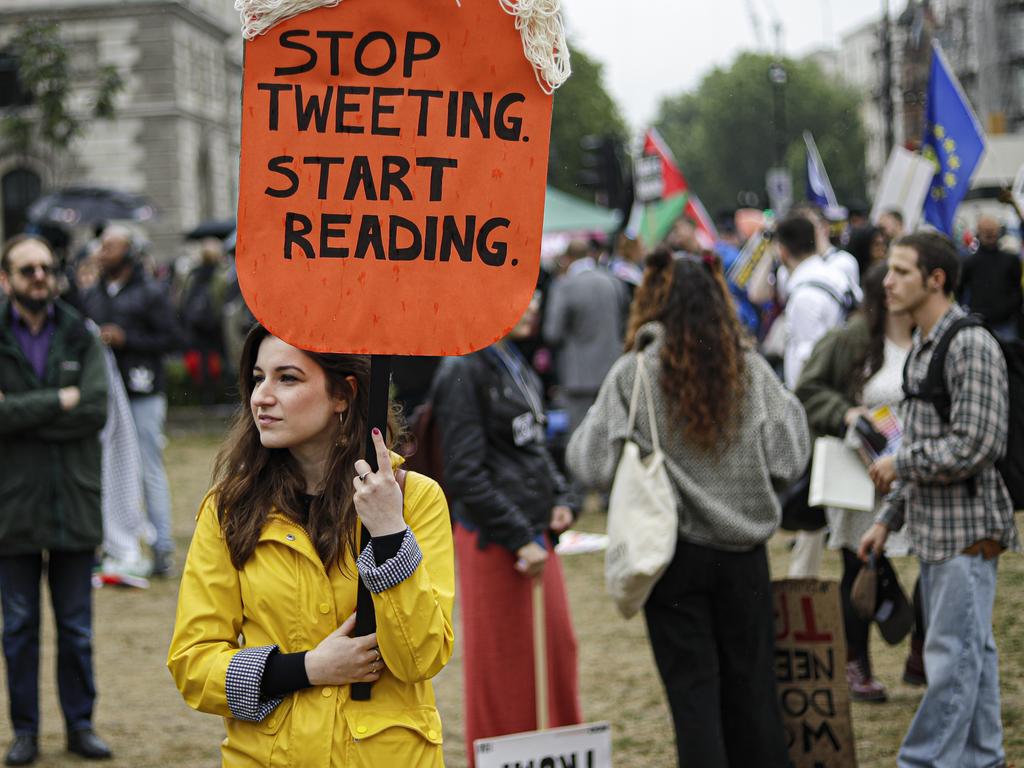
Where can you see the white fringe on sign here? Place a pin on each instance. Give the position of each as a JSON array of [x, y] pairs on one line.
[[540, 25], [538, 21], [260, 15]]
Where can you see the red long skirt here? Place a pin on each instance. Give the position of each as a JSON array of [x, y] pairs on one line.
[[497, 643]]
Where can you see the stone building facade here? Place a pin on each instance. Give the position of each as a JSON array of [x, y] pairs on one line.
[[175, 136], [982, 39]]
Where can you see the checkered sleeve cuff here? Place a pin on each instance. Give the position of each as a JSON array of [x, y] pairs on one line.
[[242, 685], [392, 572]]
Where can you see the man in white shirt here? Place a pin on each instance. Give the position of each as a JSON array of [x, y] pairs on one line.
[[836, 257], [819, 297]]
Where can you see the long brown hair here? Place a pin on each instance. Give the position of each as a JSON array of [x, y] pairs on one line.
[[252, 480], [702, 360], [875, 315]]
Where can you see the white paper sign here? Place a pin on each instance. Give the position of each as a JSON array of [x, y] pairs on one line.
[[904, 185], [575, 746], [649, 185]]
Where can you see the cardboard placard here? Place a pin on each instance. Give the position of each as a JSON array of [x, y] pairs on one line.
[[392, 177], [581, 746], [904, 186], [810, 673]]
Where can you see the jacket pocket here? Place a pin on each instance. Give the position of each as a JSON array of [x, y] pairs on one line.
[[396, 736], [272, 723], [83, 463], [265, 742]]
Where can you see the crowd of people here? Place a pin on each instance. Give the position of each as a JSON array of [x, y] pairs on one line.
[[300, 529], [737, 434], [83, 394]]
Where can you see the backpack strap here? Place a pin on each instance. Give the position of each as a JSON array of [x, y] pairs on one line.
[[845, 300], [933, 389]]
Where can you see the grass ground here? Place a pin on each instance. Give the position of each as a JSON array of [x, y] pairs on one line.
[[143, 717]]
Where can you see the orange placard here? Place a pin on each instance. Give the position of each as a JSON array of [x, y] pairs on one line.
[[394, 156]]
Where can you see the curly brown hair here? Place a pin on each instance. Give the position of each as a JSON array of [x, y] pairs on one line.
[[251, 480], [702, 360]]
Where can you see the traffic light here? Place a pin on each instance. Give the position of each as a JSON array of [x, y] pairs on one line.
[[601, 169]]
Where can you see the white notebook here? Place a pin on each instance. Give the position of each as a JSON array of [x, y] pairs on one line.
[[839, 478]]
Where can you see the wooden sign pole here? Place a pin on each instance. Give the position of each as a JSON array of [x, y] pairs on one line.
[[380, 384]]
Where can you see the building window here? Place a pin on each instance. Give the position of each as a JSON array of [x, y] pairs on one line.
[[18, 189], [204, 181]]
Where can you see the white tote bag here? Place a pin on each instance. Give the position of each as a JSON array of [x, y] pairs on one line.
[[642, 518]]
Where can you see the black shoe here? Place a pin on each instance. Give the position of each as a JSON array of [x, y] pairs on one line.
[[87, 744], [24, 750], [163, 565]]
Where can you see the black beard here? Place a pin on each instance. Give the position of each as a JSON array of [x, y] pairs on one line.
[[31, 305]]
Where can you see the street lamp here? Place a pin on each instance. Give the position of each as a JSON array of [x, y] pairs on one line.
[[778, 183], [778, 77]]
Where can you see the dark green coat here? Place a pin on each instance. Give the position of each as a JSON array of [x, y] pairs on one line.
[[50, 459], [827, 380]]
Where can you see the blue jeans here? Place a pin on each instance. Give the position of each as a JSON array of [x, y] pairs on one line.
[[70, 579], [958, 724], [149, 413]]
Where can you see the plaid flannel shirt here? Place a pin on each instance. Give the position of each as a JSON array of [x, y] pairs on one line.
[[944, 511]]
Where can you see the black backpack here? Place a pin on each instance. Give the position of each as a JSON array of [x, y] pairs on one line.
[[933, 390]]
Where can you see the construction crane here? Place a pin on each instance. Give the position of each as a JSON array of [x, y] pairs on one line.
[[776, 25], [755, 22]]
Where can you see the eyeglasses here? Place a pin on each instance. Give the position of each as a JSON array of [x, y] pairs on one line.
[[29, 270]]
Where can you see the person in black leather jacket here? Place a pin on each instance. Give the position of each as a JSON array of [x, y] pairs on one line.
[[509, 502], [138, 322]]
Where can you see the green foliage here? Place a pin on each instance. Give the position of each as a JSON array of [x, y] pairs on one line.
[[582, 106], [722, 135], [44, 71]]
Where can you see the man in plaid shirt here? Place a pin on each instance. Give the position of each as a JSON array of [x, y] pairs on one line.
[[944, 485]]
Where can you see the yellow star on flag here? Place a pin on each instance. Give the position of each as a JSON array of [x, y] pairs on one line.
[[949, 145], [939, 131], [953, 162], [950, 180]]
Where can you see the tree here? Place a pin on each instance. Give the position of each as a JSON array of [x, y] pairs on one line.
[[582, 107], [722, 134], [43, 119]]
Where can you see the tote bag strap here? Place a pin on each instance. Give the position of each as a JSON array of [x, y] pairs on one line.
[[641, 379]]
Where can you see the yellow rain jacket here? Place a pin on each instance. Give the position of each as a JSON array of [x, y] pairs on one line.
[[284, 596]]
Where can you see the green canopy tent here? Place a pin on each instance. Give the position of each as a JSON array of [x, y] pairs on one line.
[[565, 213]]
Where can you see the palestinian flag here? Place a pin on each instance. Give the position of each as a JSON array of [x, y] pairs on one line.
[[676, 199]]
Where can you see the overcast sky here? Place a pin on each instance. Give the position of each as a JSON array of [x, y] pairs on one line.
[[653, 48]]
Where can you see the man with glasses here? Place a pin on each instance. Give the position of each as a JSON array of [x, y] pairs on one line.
[[53, 403]]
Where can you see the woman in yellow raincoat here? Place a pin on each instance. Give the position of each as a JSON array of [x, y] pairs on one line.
[[263, 634]]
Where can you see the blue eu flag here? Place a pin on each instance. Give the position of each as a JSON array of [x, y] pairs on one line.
[[953, 141]]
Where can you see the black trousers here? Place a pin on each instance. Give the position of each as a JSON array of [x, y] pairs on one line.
[[711, 623]]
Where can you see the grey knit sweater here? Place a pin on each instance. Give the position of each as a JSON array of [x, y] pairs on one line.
[[726, 501]]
